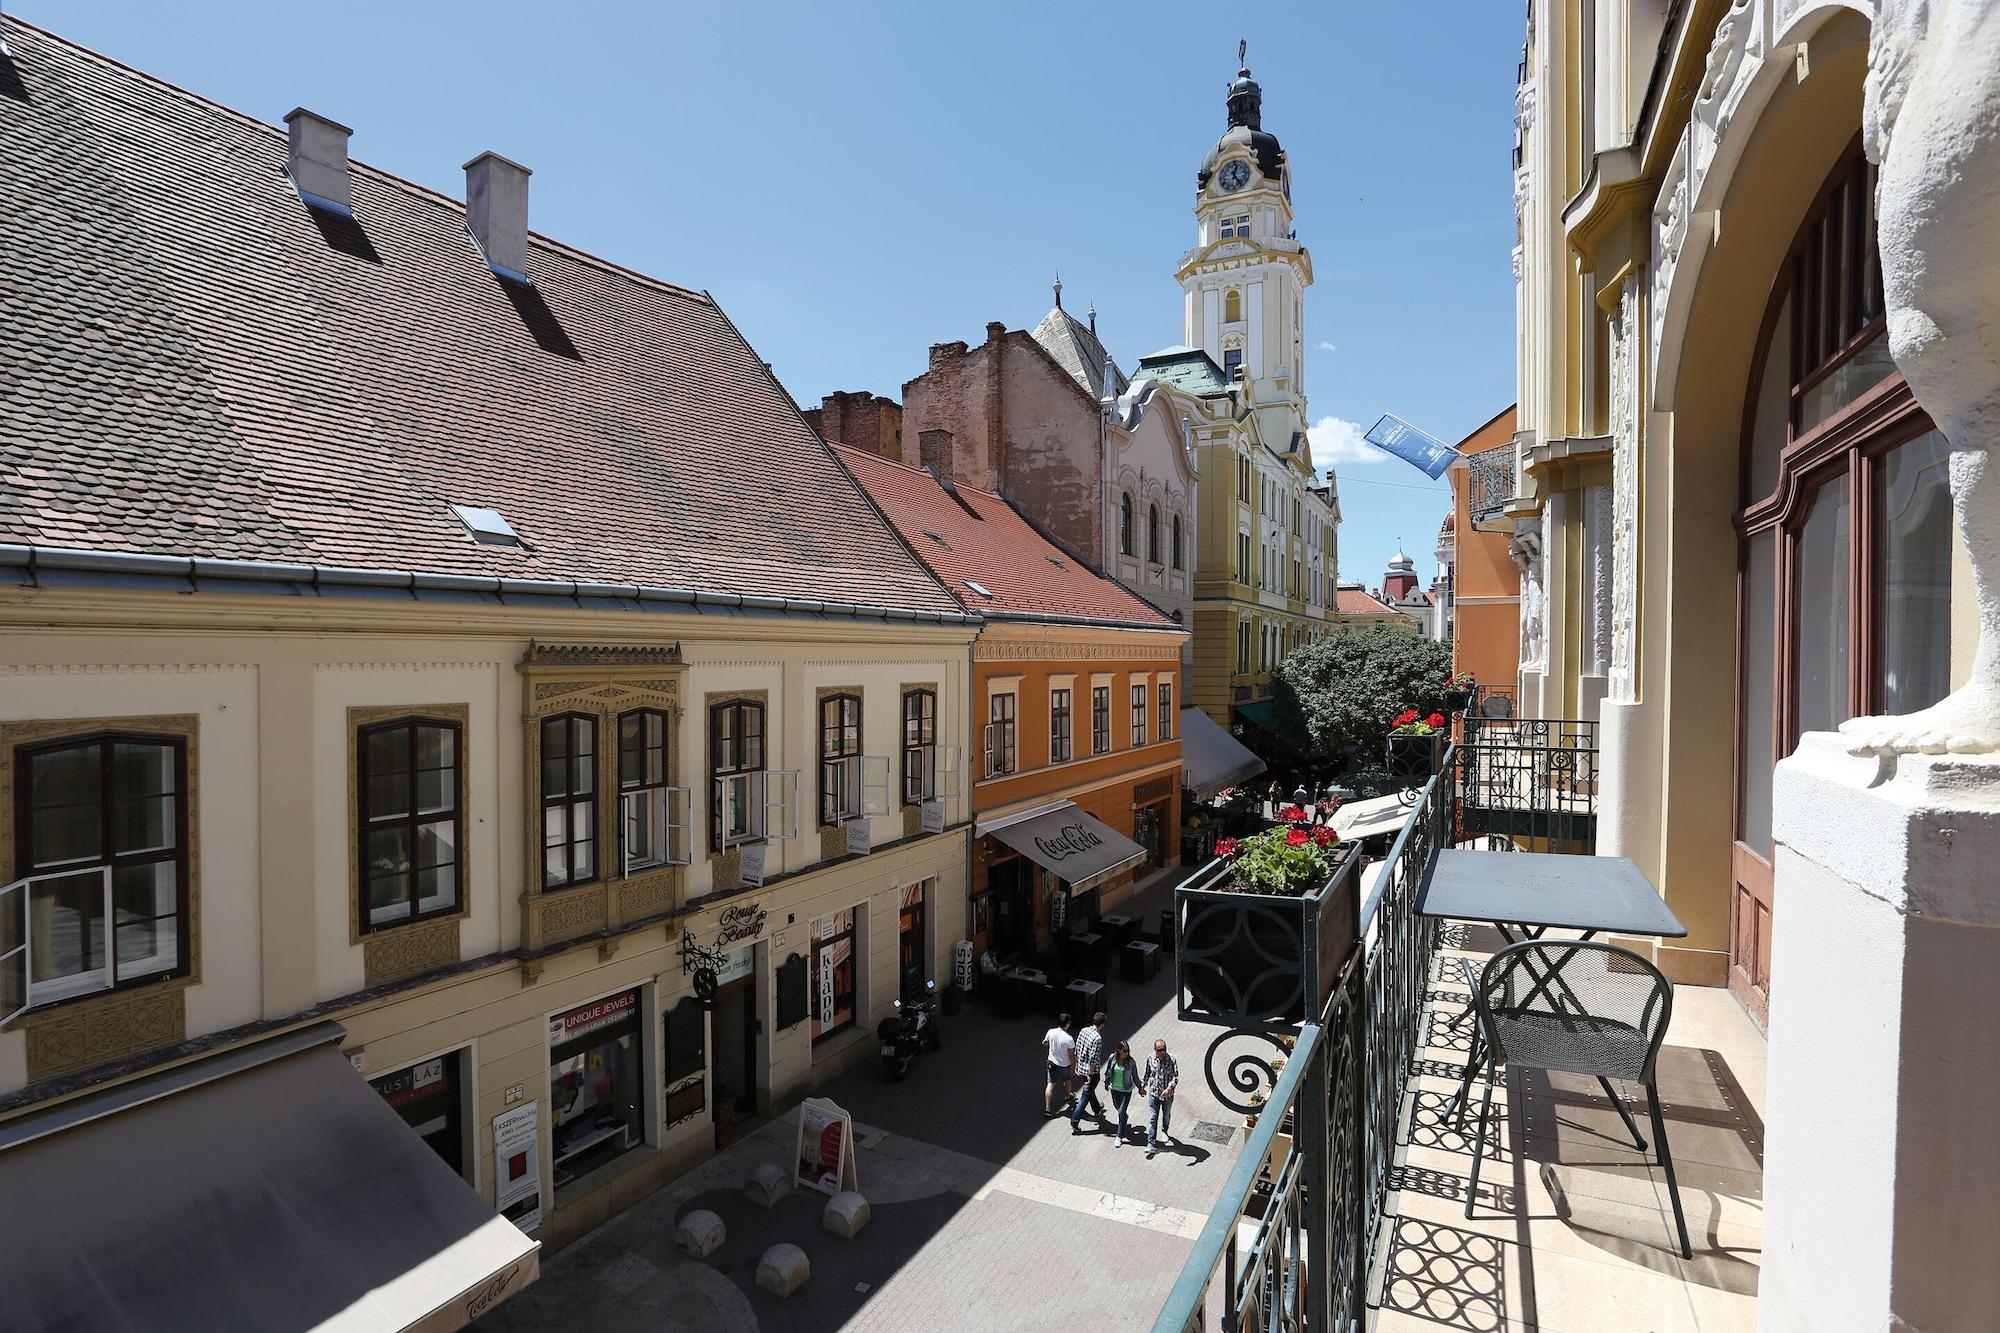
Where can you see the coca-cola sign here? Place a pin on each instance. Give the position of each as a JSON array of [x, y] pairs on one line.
[[1070, 840]]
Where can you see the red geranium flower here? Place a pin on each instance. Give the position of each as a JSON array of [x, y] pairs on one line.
[[1435, 720], [1408, 717], [1225, 846], [1295, 837], [1324, 836], [1291, 814]]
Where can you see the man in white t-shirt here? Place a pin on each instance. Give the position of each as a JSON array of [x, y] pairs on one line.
[[1059, 1045]]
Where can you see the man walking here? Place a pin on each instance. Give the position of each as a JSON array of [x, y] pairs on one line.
[[1161, 1079], [1091, 1049], [1060, 1047]]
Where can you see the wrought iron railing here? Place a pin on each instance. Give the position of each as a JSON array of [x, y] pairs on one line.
[[1489, 485], [1532, 781], [1315, 1172], [1492, 701]]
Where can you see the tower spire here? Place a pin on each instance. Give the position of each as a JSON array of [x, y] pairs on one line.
[[1058, 290]]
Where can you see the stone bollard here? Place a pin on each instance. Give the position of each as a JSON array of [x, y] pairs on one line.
[[783, 1270], [699, 1234], [845, 1214], [767, 1184]]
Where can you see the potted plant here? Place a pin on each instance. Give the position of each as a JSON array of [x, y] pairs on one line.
[[1267, 924], [1256, 1109], [1458, 691], [1416, 747]]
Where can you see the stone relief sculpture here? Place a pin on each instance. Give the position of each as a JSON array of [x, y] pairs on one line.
[[1931, 120], [1526, 548]]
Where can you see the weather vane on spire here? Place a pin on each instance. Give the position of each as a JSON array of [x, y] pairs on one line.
[[1059, 290], [1242, 50]]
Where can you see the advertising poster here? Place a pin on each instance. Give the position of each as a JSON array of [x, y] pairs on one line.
[[517, 1171], [826, 1147]]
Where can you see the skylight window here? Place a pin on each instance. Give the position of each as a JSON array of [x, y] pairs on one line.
[[981, 590], [1057, 563], [487, 526], [939, 540]]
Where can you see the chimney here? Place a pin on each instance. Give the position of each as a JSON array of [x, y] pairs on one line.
[[317, 161], [496, 208], [935, 447], [995, 331], [944, 352]]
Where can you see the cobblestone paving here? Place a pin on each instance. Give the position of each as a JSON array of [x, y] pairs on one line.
[[986, 1215]]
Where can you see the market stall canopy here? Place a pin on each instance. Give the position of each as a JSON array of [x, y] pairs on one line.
[[1211, 758], [1259, 713], [1076, 847], [266, 1187], [1376, 815]]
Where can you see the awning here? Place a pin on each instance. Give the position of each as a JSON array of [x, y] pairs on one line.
[[1259, 713], [1078, 848], [1211, 758], [266, 1187]]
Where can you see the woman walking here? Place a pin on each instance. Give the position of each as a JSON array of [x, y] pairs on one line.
[[1121, 1078]]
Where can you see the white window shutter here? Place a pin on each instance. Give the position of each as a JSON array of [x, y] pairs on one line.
[[781, 803], [948, 772], [16, 957], [874, 785], [678, 833], [725, 806]]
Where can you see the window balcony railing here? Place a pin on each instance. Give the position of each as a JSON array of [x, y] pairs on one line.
[[1530, 781], [1328, 1128], [1489, 485]]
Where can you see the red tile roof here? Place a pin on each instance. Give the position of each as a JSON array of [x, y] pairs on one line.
[[194, 369], [985, 541], [1357, 602]]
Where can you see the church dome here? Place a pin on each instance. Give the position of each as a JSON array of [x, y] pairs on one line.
[[1246, 113]]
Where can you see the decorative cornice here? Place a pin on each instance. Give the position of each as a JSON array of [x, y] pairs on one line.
[[602, 655]]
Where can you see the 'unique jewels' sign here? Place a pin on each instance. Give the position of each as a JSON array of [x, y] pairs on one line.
[[611, 1009], [1073, 840]]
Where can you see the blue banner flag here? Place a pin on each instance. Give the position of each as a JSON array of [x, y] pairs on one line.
[[1426, 453]]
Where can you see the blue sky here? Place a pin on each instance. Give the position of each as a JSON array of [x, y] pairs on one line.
[[855, 182]]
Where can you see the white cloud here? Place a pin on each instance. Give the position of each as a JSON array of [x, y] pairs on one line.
[[1324, 346], [1336, 442]]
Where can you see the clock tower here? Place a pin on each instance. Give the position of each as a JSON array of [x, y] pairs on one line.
[[1244, 282]]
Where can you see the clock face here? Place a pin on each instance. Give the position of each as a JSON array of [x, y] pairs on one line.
[[1235, 175]]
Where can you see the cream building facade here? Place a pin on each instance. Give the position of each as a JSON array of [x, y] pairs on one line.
[[1753, 514]]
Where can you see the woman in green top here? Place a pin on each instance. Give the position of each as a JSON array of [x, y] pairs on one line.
[[1121, 1077]]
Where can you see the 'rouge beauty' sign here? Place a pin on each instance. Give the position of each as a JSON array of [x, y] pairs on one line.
[[1072, 840]]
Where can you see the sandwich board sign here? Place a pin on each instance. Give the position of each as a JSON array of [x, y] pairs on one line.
[[825, 1153]]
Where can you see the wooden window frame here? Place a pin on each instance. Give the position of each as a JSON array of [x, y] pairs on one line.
[[1141, 705], [628, 786], [1153, 534], [414, 819], [1127, 538], [922, 742], [25, 866], [1100, 719], [568, 801], [1004, 731], [1177, 547], [1062, 724], [1165, 728], [836, 748], [727, 758]]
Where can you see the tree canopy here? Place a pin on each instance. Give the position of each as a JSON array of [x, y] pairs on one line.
[[1336, 698]]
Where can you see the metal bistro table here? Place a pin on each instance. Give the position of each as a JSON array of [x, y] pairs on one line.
[[1524, 895]]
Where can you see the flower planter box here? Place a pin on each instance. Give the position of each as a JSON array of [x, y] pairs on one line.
[[1263, 958], [1413, 760], [1457, 701]]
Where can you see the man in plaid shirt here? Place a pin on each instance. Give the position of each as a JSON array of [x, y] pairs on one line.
[[1161, 1079], [1091, 1048]]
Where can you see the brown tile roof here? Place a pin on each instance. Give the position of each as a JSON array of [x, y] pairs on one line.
[[985, 540], [189, 367], [1357, 602]]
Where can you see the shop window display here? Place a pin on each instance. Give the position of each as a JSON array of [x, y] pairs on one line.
[[427, 1097], [596, 1087], [833, 974]]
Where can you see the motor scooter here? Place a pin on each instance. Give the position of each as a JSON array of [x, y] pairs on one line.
[[910, 1028]]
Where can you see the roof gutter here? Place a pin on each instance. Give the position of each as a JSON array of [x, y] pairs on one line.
[[336, 580]]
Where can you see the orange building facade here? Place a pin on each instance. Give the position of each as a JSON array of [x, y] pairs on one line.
[[1073, 716], [1486, 583]]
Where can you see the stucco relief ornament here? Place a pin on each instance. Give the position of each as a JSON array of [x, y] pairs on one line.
[[1931, 121]]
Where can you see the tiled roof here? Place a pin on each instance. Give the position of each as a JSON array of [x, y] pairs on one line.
[[193, 368], [1076, 349], [985, 541], [1358, 602]]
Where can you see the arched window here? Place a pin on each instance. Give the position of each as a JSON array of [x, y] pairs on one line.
[[1125, 541], [1232, 307], [1177, 541], [1846, 547], [1153, 533]]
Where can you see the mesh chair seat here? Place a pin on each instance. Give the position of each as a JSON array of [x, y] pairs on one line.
[[1573, 1043]]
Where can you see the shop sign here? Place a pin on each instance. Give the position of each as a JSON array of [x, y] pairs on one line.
[[687, 1101], [826, 1147], [933, 816], [1073, 840], [1152, 791], [736, 965], [826, 997], [858, 842], [612, 1009], [750, 860], [517, 1190], [741, 923], [413, 1084]]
